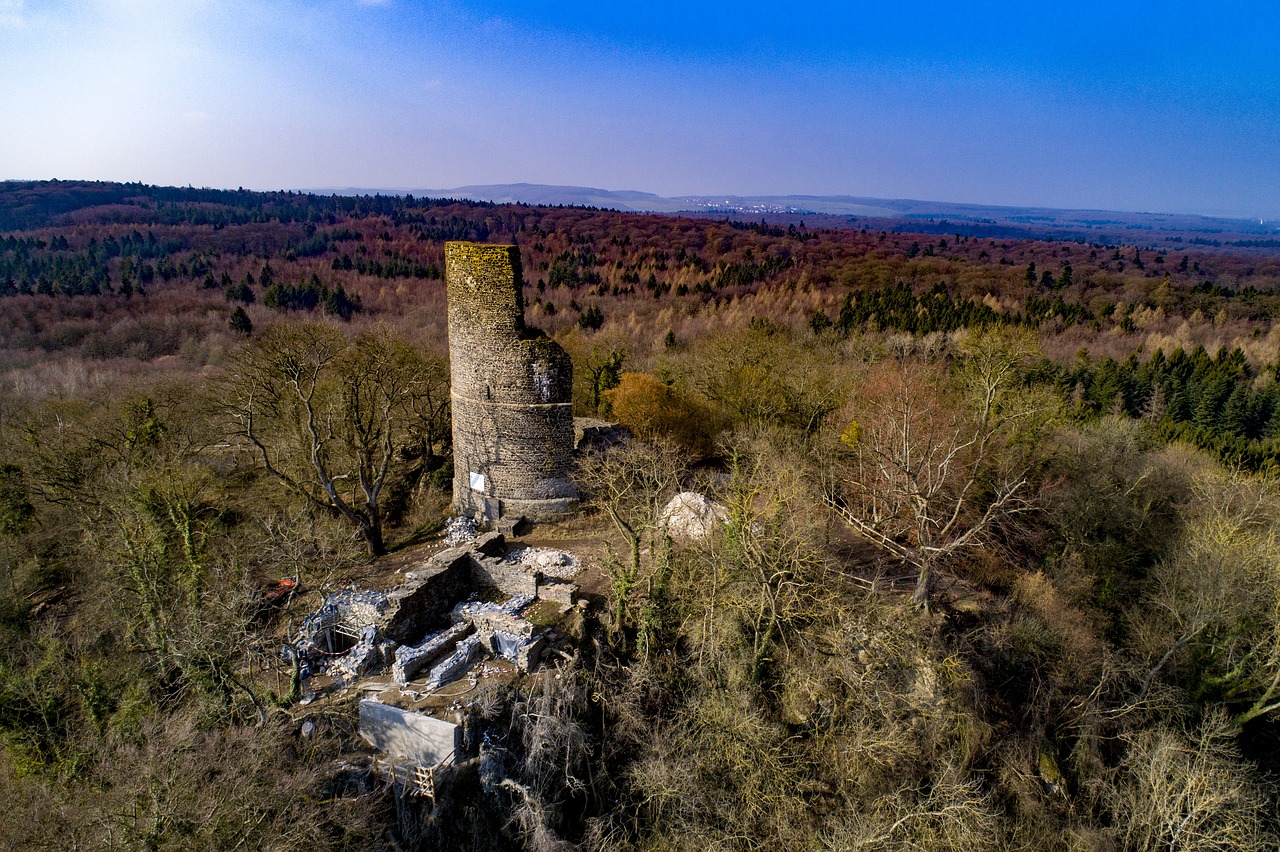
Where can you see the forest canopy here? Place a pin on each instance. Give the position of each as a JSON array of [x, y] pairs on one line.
[[993, 563]]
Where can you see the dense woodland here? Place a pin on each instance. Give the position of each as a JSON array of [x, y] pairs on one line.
[[998, 569]]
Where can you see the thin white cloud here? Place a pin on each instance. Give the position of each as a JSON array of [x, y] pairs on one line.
[[11, 13]]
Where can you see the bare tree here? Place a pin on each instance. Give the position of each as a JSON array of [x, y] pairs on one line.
[[933, 469], [326, 415], [1180, 791], [953, 813], [630, 485], [1214, 617], [765, 568]]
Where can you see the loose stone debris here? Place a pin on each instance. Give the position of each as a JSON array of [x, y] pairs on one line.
[[552, 563], [460, 531], [595, 436]]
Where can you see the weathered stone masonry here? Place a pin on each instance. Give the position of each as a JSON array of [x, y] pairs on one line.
[[511, 393]]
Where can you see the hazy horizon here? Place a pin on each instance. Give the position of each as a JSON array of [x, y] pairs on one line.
[[1156, 107], [958, 202]]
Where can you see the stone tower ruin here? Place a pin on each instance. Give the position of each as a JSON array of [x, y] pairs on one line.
[[511, 393]]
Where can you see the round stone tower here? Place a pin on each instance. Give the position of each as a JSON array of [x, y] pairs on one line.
[[511, 393]]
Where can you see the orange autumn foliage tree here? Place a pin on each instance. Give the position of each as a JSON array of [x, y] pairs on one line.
[[652, 409]]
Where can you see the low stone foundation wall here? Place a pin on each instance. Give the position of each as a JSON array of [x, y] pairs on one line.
[[410, 659], [425, 619], [423, 603]]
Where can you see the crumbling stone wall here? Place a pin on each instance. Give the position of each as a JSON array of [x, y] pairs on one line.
[[511, 393], [423, 602], [430, 592]]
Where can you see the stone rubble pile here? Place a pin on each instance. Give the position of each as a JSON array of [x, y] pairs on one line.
[[552, 563], [460, 531]]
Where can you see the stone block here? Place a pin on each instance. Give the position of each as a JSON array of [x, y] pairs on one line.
[[514, 526], [592, 435], [511, 577], [559, 591], [522, 650], [423, 603], [492, 544]]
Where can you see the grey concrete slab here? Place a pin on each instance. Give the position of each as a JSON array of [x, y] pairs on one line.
[[416, 737]]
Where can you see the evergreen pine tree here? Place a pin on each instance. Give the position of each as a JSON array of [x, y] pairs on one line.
[[1235, 413], [240, 322], [819, 322], [1064, 280]]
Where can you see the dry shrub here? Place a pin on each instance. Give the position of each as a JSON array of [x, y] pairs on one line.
[[34, 816], [855, 703], [1117, 512], [1187, 791], [989, 570], [1079, 650], [761, 375], [547, 768], [654, 410], [723, 775], [952, 813], [904, 704], [178, 787], [1213, 625]]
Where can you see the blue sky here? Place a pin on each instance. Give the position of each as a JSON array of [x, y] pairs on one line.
[[1158, 106]]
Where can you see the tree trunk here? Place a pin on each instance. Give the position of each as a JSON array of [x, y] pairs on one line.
[[372, 535], [923, 594]]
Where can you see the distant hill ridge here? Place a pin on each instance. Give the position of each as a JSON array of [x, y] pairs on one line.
[[902, 215], [25, 204], [636, 201]]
